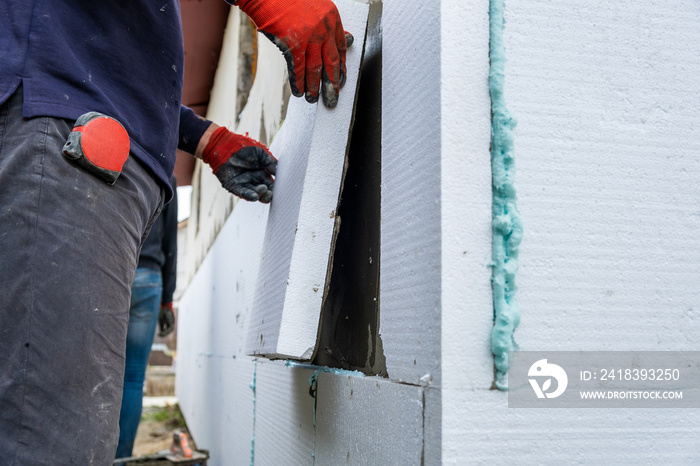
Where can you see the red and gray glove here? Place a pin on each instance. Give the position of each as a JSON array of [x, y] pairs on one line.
[[311, 37], [244, 166]]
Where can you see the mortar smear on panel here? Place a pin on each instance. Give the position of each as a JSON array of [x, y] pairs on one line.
[[507, 224]]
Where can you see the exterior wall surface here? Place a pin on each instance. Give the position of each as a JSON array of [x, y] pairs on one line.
[[606, 150]]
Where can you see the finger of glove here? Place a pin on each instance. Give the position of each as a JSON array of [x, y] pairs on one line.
[[349, 39], [332, 68], [243, 191], [329, 91], [314, 68], [166, 327], [166, 322], [264, 194], [295, 63], [266, 198], [250, 185], [165, 331], [343, 41], [343, 74]]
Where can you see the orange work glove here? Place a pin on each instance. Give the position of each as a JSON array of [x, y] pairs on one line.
[[311, 37]]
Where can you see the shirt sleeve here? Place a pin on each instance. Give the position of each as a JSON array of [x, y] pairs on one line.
[[169, 268], [192, 127]]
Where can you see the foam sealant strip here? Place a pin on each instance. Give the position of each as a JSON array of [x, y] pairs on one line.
[[313, 386], [252, 439], [507, 224]]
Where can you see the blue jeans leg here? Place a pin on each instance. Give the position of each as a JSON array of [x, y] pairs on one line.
[[143, 317]]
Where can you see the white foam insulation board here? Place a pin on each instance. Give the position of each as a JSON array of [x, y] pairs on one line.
[[368, 420], [297, 252], [284, 430], [411, 197]]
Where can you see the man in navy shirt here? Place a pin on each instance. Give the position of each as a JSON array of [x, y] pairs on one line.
[[71, 227]]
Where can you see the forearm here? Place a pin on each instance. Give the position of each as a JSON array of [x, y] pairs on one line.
[[204, 140]]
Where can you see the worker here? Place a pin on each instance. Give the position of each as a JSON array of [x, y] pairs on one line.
[[151, 306], [90, 117]]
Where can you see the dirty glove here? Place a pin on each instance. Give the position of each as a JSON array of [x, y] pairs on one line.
[[243, 165], [166, 319], [311, 37]]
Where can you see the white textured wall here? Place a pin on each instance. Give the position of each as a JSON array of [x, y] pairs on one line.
[[410, 257], [609, 169], [410, 211], [607, 176], [467, 309]]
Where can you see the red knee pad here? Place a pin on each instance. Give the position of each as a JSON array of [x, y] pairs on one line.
[[100, 144]]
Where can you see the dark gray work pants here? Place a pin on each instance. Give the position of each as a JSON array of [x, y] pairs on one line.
[[69, 245]]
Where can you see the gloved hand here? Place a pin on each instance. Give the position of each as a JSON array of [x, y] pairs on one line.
[[243, 165], [311, 37], [166, 319]]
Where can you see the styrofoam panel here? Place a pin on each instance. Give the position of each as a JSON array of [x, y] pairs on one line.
[[492, 433], [466, 295], [467, 307], [432, 426], [368, 421], [607, 153], [212, 373], [284, 415], [410, 211], [213, 310], [219, 406], [280, 233], [220, 297], [211, 383], [311, 147]]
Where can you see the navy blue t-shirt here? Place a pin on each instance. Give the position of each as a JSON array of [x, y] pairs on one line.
[[122, 58]]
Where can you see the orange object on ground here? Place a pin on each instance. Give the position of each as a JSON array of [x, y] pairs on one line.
[[180, 445]]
